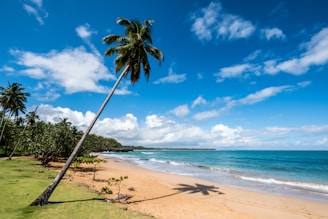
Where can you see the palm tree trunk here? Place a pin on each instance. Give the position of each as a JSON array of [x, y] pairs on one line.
[[2, 117], [16, 146], [20, 137], [44, 197], [3, 129], [2, 120]]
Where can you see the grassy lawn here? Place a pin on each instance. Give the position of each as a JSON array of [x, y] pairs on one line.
[[23, 179]]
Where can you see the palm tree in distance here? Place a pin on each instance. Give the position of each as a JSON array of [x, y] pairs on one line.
[[12, 99], [31, 117], [132, 50], [30, 120]]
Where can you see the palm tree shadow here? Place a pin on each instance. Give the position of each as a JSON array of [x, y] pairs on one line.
[[150, 199], [191, 189], [81, 200], [198, 188]]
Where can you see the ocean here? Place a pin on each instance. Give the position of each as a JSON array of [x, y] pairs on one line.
[[302, 174]]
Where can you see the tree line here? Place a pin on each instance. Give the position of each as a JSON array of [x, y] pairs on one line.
[[28, 135]]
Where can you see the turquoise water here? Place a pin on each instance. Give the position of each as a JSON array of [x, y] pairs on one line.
[[295, 173]]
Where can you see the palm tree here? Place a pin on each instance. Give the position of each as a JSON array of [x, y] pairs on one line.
[[12, 99], [31, 117], [132, 50], [30, 120]]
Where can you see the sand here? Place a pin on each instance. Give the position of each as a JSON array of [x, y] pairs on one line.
[[165, 195]]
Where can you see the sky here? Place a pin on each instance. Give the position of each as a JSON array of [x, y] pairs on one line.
[[249, 75]]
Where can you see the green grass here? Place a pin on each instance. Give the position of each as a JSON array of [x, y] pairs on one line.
[[23, 179]]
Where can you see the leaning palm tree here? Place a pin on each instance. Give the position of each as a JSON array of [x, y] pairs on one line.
[[12, 99], [132, 50]]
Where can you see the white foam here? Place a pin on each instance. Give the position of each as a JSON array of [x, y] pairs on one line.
[[305, 185], [147, 152]]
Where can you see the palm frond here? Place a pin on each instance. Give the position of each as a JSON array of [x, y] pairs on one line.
[[155, 53], [123, 21], [110, 39]]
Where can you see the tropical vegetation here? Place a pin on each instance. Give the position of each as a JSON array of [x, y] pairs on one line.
[[28, 135], [49, 141]]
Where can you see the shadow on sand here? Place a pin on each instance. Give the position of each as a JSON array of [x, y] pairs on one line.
[[204, 189], [81, 200], [183, 188], [190, 189]]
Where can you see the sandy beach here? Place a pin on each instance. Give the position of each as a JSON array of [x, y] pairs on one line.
[[164, 195]]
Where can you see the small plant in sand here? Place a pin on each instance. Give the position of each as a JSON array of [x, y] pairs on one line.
[[88, 160], [118, 183], [106, 190], [76, 164]]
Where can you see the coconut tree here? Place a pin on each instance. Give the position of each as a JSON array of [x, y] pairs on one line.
[[30, 120], [132, 50], [31, 117], [12, 99]]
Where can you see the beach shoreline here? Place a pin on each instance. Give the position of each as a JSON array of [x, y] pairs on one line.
[[165, 195], [271, 172]]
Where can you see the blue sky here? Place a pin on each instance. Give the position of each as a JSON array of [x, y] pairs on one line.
[[237, 74]]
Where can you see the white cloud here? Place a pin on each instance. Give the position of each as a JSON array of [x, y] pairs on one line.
[[234, 27], [304, 83], [37, 3], [34, 7], [323, 141], [198, 101], [253, 55], [36, 73], [263, 94], [293, 66], [49, 95], [279, 130], [229, 136], [74, 69], [250, 99], [316, 54], [270, 67], [162, 131], [317, 49], [203, 25], [7, 69], [118, 127], [172, 78], [84, 31], [153, 121], [181, 111], [314, 130], [273, 33], [237, 71], [213, 22], [206, 114], [233, 71]]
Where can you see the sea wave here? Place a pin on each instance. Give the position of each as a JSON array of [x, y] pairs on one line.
[[224, 170], [303, 185], [174, 163], [147, 152]]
